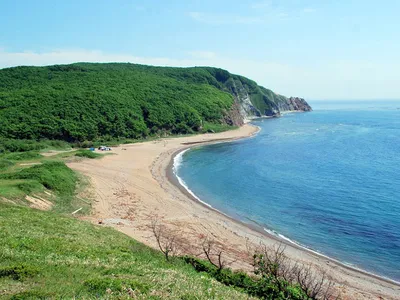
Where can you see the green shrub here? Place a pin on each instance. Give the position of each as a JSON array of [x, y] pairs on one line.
[[24, 145], [33, 294], [4, 164], [14, 145], [84, 144], [18, 272], [263, 287], [87, 153], [29, 187], [56, 144], [99, 286], [214, 128]]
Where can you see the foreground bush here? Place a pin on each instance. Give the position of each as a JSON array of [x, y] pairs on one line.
[[275, 275], [265, 287]]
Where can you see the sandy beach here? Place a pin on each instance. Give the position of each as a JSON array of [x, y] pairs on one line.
[[135, 184]]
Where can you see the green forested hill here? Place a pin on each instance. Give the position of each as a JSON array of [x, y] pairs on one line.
[[87, 101]]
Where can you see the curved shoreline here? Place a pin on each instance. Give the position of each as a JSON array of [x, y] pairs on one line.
[[176, 180], [132, 187]]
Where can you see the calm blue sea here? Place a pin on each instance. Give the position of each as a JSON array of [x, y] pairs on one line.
[[329, 180]]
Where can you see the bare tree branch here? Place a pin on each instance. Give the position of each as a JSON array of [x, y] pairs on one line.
[[167, 240], [211, 249], [273, 262]]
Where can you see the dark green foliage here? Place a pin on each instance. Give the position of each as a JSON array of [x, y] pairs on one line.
[[30, 186], [213, 128], [87, 101], [21, 145], [10, 145], [87, 154], [33, 294], [18, 272], [4, 164], [266, 287]]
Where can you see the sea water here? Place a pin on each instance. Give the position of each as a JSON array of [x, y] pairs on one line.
[[328, 180]]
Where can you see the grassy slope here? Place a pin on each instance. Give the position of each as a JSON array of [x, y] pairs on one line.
[[30, 173], [47, 255]]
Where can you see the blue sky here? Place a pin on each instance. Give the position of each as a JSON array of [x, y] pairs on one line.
[[343, 49]]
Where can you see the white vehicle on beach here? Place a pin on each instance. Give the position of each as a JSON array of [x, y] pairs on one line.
[[104, 148]]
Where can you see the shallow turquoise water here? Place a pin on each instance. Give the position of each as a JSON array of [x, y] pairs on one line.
[[329, 180]]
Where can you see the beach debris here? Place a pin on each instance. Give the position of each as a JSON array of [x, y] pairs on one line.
[[115, 221], [79, 209]]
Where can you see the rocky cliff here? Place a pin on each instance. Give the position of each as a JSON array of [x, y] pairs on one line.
[[252, 100], [294, 104]]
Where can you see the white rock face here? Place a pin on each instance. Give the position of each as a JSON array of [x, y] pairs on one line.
[[246, 107]]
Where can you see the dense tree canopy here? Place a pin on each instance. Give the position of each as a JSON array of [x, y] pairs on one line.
[[87, 101]]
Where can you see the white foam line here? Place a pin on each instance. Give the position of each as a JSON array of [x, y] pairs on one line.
[[282, 237], [176, 165], [178, 159]]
